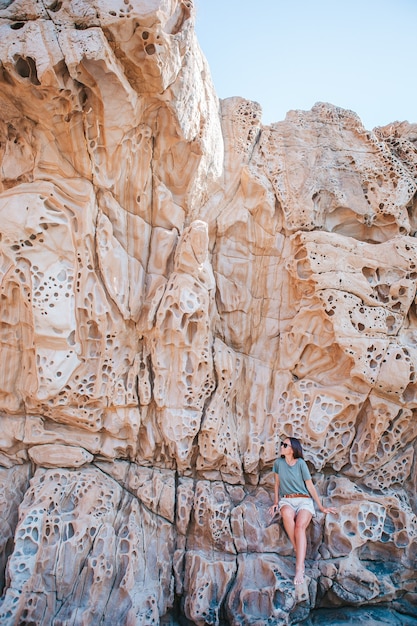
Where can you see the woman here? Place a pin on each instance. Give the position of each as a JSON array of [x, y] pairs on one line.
[[294, 495]]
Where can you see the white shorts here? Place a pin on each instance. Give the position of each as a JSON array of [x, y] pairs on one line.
[[298, 504]]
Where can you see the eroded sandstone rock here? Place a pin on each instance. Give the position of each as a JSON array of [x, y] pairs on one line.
[[181, 287], [107, 556]]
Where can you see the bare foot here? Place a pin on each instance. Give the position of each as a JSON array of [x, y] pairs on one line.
[[299, 578]]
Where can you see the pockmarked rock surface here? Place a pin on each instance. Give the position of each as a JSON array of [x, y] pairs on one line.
[[181, 287]]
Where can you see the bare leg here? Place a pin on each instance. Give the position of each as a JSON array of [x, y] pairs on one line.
[[302, 520], [288, 518]]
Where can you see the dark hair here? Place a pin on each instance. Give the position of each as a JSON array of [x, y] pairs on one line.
[[296, 448]]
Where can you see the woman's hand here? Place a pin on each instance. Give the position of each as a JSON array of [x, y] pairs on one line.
[[273, 509], [328, 509]]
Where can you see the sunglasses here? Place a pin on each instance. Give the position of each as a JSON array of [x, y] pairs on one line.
[[286, 445]]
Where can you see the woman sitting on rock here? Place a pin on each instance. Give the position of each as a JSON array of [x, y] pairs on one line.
[[294, 495]]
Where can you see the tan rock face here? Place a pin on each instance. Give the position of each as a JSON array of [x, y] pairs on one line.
[[181, 287]]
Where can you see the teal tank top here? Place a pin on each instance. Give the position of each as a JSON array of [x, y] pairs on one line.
[[292, 479]]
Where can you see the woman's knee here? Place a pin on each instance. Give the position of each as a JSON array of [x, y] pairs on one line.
[[302, 521]]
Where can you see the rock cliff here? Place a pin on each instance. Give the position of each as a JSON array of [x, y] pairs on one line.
[[182, 287]]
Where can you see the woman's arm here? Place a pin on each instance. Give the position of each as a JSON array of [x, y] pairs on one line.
[[276, 490], [313, 493], [274, 507]]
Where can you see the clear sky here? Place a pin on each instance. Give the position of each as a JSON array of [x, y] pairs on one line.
[[288, 54]]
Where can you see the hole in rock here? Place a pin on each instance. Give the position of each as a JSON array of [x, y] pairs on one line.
[[55, 6], [26, 68]]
